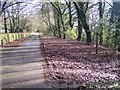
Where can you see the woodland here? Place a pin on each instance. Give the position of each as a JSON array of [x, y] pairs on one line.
[[79, 40]]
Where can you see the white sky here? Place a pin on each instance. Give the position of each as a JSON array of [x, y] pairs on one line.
[[33, 3]]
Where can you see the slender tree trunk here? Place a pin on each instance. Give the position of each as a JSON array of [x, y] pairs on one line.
[[115, 18], [13, 21], [79, 23], [16, 24], [11, 28], [58, 22], [101, 26], [70, 15], [18, 19], [2, 7], [5, 23], [96, 42], [61, 18], [64, 35], [79, 28], [88, 33]]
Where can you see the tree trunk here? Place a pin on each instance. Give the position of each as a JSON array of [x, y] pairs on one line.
[[11, 28], [88, 33], [58, 23], [64, 35], [70, 15], [96, 42], [79, 28], [101, 26], [84, 23], [5, 23], [13, 21], [2, 7], [82, 16]]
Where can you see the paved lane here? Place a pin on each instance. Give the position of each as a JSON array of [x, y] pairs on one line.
[[22, 66]]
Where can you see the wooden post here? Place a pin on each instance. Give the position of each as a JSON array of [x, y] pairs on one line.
[[96, 42], [2, 43], [118, 48]]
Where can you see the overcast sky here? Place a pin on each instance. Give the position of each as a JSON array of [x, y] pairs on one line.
[[32, 5]]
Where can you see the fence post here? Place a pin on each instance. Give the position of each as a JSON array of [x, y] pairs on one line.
[[2, 43]]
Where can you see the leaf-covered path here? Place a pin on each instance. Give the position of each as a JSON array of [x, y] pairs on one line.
[[73, 63], [22, 66]]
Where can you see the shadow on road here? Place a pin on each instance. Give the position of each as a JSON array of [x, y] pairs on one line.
[[22, 67]]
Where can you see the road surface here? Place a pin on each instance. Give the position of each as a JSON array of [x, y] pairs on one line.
[[22, 67]]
